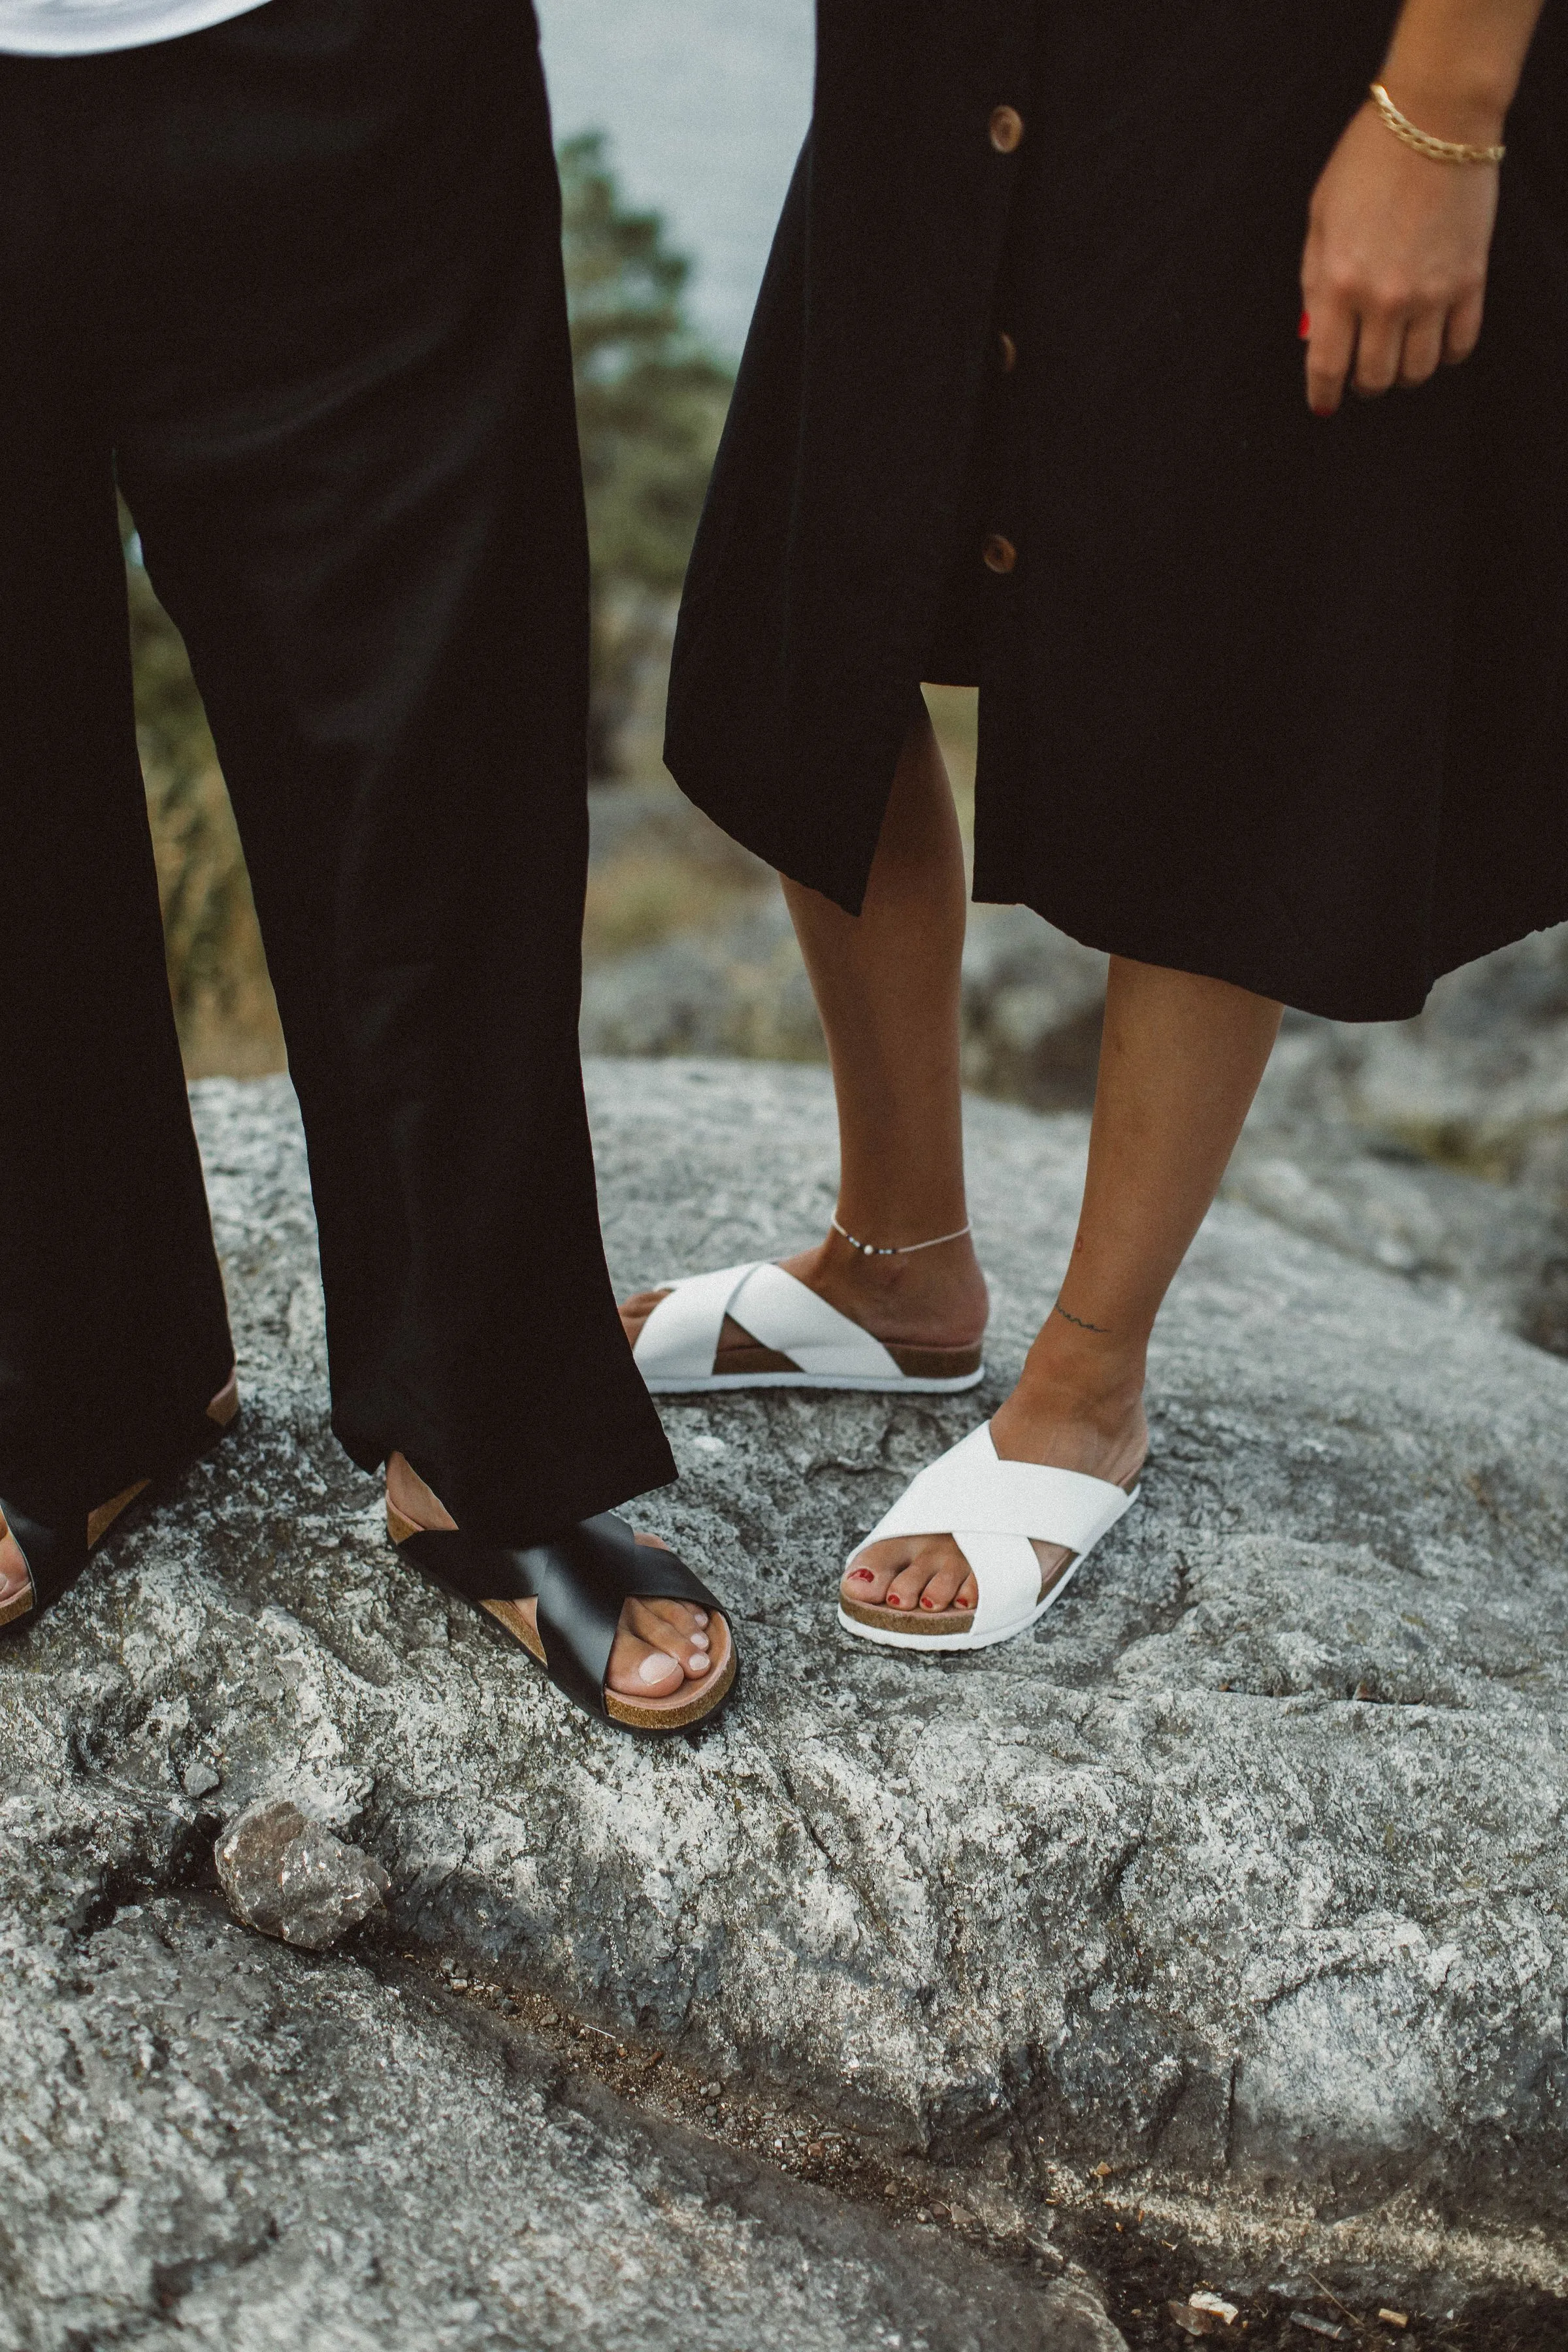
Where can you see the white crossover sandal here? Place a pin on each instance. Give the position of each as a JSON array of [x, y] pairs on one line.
[[996, 1512], [794, 1340]]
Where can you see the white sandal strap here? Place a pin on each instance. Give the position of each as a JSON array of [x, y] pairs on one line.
[[994, 1510], [680, 1338]]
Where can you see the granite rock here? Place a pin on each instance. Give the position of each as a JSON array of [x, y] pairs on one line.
[[288, 1876], [1232, 1901], [212, 2141]]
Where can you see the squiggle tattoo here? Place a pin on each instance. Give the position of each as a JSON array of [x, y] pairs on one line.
[[1103, 1328]]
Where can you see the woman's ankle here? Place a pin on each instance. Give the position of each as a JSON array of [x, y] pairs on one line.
[[924, 1298], [1075, 1382]]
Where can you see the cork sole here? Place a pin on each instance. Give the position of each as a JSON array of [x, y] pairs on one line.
[[682, 1708], [101, 1521]]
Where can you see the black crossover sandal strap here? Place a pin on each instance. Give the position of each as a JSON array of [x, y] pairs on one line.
[[581, 1581], [54, 1560]]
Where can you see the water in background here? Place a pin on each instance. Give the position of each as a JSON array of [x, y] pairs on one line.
[[706, 102]]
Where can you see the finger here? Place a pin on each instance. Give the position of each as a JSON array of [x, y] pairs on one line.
[[1462, 329], [1423, 352], [1379, 344], [1331, 347]]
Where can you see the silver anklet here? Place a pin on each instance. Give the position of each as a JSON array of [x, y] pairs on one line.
[[905, 1249]]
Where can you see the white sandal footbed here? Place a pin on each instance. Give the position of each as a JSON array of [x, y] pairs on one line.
[[677, 1347], [996, 1512]]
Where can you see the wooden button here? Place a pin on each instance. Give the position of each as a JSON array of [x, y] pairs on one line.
[[998, 554], [1006, 129], [1006, 353]]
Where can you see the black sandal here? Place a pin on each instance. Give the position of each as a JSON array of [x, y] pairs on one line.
[[54, 1559], [580, 1581]]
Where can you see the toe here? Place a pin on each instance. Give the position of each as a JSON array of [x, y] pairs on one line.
[[933, 1556], [683, 1632], [873, 1571], [640, 1669], [670, 1627], [946, 1581], [636, 1311]]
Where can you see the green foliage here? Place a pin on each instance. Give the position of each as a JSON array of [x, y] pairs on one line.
[[650, 407], [217, 974], [651, 403]]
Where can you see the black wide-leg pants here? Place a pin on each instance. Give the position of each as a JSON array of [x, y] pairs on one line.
[[295, 283]]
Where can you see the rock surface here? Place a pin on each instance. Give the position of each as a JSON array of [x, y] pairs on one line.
[[224, 2144], [288, 1876], [1233, 1901]]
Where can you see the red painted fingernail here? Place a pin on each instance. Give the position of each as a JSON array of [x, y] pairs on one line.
[[1305, 328], [1323, 412]]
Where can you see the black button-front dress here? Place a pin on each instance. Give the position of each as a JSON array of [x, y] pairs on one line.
[[1274, 698]]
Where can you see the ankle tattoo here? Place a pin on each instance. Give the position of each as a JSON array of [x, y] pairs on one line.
[[1103, 1328]]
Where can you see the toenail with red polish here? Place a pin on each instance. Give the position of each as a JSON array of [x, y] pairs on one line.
[[861, 1576]]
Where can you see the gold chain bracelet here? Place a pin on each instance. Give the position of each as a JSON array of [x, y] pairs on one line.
[[1437, 151]]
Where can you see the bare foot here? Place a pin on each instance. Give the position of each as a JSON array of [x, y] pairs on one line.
[[661, 1644], [932, 1298], [929, 1574], [16, 1585]]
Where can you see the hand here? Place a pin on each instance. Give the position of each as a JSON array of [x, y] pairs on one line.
[[1393, 276]]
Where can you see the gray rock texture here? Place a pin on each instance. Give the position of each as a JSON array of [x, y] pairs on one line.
[[288, 1876], [214, 2142], [1231, 1904]]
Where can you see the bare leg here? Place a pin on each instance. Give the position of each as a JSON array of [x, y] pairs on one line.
[[887, 986], [1180, 1065], [14, 1582], [660, 1642]]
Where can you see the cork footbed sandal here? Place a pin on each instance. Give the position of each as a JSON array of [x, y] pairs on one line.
[[579, 1583], [756, 1326], [996, 1512], [55, 1557]]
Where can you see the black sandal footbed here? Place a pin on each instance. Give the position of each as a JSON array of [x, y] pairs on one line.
[[580, 1581], [55, 1561]]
